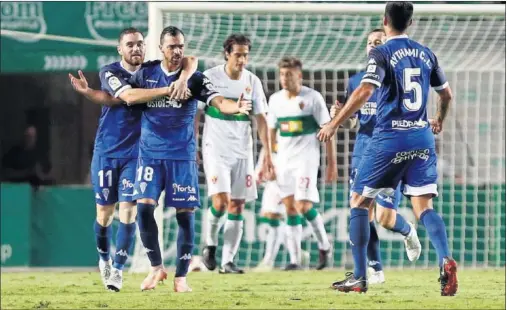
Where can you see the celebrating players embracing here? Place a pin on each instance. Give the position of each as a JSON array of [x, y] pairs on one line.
[[403, 146]]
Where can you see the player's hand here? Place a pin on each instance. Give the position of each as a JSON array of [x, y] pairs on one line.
[[198, 157], [335, 108], [178, 90], [268, 170], [244, 106], [80, 85], [436, 126], [326, 133], [331, 173]]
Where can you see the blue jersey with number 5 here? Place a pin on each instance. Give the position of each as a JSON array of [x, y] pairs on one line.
[[403, 70]]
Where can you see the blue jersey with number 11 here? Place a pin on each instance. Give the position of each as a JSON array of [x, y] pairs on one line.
[[403, 70]]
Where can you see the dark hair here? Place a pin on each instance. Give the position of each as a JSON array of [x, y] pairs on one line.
[[172, 31], [376, 30], [238, 39], [399, 14], [128, 30], [290, 62]]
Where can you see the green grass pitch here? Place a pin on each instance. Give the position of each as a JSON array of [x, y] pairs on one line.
[[408, 289]]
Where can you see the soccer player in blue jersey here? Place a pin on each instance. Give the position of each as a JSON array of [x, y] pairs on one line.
[[116, 150], [402, 146], [167, 155], [386, 206]]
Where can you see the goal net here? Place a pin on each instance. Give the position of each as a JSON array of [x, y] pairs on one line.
[[330, 39]]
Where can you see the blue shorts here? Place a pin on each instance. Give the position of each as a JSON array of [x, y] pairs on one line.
[[179, 179], [380, 172], [113, 179], [387, 201]]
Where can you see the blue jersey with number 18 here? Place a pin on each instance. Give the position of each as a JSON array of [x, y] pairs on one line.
[[403, 70]]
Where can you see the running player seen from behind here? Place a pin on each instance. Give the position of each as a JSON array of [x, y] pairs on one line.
[[167, 153], [115, 153], [227, 149], [297, 112], [386, 206], [403, 146]]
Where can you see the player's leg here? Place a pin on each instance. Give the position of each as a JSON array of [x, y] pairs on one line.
[[102, 172], [375, 272], [127, 228], [389, 218], [182, 177], [420, 185], [243, 188], [306, 193], [272, 211], [150, 177], [376, 174], [294, 233], [218, 180]]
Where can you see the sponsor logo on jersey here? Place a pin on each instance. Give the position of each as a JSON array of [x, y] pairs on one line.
[[183, 189], [24, 16], [192, 198], [370, 108], [126, 184], [402, 156], [404, 124], [291, 126], [164, 102], [105, 192]]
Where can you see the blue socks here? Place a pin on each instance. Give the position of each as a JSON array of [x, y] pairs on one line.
[[185, 242], [435, 227], [103, 239], [148, 231], [124, 239], [401, 226], [359, 236], [373, 249]]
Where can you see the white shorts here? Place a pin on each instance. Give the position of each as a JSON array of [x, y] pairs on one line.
[[230, 175], [299, 179], [271, 201]]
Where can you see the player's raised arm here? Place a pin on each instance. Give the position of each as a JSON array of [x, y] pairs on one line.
[[97, 96], [139, 94], [439, 83]]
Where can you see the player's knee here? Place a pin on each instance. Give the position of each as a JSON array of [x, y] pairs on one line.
[[128, 212], [148, 201], [221, 201], [421, 204], [145, 215], [105, 215], [271, 215], [185, 210], [303, 205], [359, 201], [236, 206], [386, 217]]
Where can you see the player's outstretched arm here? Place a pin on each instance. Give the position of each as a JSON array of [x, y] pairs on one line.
[[335, 109], [141, 95], [80, 85], [228, 106], [355, 102], [179, 89], [443, 105]]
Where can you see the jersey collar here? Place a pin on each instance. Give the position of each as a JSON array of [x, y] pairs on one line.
[[401, 36], [131, 72], [167, 73]]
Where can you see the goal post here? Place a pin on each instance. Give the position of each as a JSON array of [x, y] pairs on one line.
[[330, 39]]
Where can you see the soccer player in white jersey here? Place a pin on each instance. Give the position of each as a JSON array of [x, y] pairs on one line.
[[297, 112], [227, 149]]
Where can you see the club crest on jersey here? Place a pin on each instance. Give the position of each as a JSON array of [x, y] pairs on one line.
[[214, 179], [301, 105], [248, 90]]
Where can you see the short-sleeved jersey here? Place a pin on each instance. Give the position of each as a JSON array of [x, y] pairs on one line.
[[120, 125], [231, 135], [297, 119], [167, 126], [403, 70], [367, 116]]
